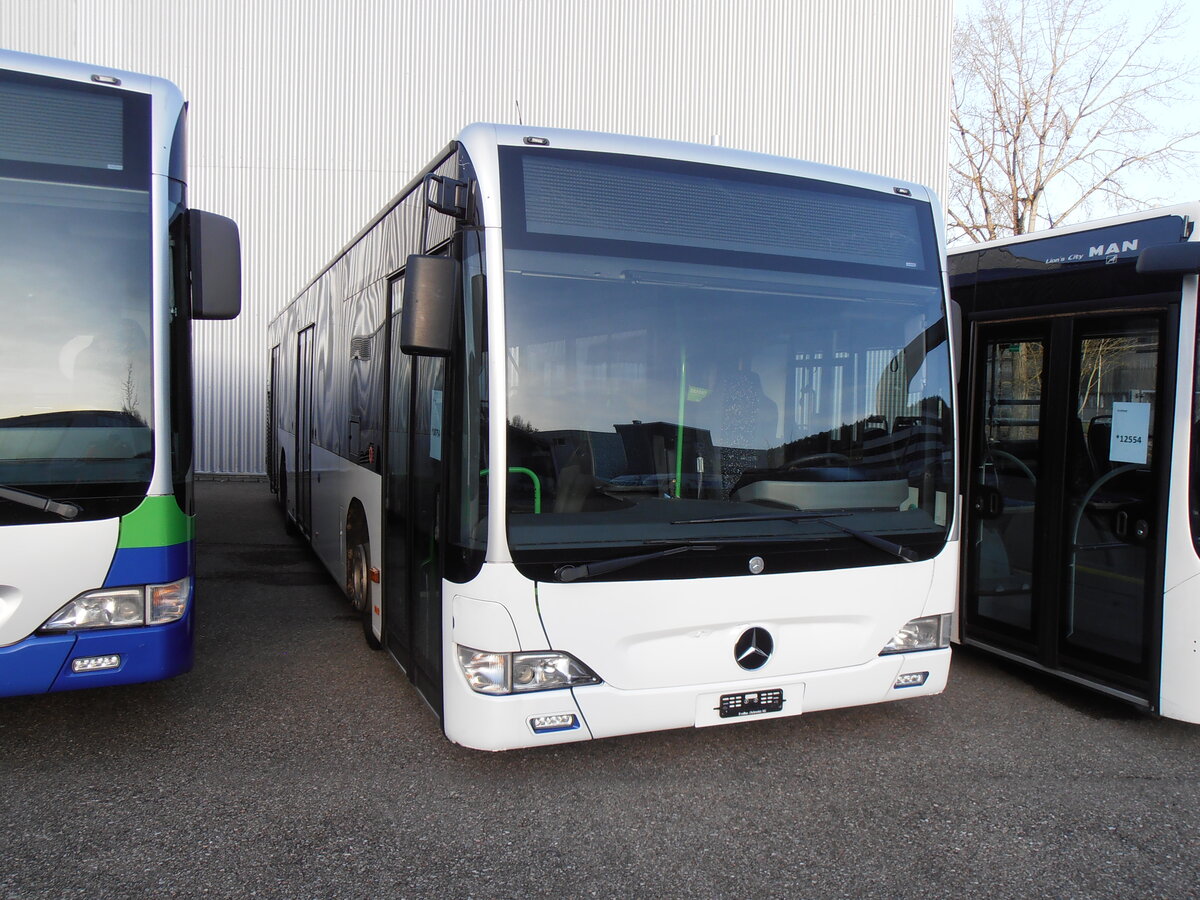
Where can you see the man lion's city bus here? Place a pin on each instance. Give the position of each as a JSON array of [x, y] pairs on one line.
[[102, 269], [1082, 462], [607, 435]]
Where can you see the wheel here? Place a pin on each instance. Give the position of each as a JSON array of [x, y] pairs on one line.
[[358, 573]]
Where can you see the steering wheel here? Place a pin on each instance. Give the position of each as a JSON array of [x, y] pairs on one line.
[[1015, 461]]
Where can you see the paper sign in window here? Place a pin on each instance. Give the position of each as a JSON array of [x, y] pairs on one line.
[[1130, 441]]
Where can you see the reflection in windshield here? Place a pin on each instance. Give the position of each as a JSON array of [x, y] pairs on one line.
[[734, 390], [75, 367]]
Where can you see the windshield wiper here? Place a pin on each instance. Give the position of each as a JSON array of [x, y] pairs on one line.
[[873, 540], [62, 510], [567, 574]]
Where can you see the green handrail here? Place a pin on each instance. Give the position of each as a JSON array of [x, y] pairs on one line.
[[679, 427], [537, 484]]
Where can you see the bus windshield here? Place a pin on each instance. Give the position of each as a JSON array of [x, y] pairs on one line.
[[75, 349], [688, 365]]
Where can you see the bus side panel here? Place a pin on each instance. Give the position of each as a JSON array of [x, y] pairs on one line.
[[1180, 669], [337, 483], [1179, 698]]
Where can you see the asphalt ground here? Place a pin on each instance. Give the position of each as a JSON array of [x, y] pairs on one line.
[[294, 762]]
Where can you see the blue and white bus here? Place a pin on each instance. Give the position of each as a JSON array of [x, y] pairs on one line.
[[102, 270], [606, 435]]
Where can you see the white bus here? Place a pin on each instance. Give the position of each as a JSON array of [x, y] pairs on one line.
[[607, 435], [102, 269], [1081, 478]]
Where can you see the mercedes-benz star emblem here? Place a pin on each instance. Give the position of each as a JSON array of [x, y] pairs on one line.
[[753, 648]]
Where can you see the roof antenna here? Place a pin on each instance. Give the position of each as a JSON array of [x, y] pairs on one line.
[[520, 119]]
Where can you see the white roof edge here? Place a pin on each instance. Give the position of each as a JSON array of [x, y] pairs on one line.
[[70, 70], [1189, 208], [566, 139]]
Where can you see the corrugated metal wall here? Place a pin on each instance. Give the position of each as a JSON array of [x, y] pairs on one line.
[[308, 115]]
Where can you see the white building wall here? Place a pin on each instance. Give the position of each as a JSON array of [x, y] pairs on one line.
[[308, 115]]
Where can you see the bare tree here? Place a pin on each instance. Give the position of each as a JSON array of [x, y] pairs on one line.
[[1052, 112], [129, 394]]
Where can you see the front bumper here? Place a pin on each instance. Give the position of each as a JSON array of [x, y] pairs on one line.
[[502, 723], [42, 663]]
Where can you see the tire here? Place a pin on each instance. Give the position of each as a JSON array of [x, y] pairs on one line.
[[358, 578]]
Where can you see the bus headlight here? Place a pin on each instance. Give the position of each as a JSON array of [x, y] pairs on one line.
[[927, 633], [167, 602], [153, 604], [517, 673]]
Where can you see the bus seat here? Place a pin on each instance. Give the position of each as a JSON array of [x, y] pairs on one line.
[[1099, 441]]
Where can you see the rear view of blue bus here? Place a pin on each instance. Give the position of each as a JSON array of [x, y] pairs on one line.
[[101, 269]]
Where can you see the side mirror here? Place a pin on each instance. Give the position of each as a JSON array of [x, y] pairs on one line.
[[1170, 259], [215, 251], [431, 285]]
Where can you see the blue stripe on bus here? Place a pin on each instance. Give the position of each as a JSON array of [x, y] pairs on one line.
[[150, 565], [42, 662], [150, 653], [30, 667]]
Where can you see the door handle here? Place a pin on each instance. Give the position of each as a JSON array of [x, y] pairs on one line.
[[1129, 529], [988, 502]]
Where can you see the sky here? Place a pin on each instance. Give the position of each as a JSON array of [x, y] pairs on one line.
[[1184, 182]]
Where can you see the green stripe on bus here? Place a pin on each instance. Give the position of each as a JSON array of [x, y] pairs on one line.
[[157, 522]]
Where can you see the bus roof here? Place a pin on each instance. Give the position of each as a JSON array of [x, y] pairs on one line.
[[1189, 210], [482, 136], [70, 70]]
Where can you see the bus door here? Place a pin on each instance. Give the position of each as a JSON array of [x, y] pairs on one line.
[[1066, 495], [412, 614], [304, 428], [273, 421]]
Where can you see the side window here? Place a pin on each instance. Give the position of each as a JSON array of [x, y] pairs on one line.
[[365, 379], [469, 517]]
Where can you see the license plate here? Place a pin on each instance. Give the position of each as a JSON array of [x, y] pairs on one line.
[[751, 703]]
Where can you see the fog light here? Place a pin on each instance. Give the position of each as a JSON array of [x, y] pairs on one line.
[[912, 679], [95, 663], [561, 722]]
